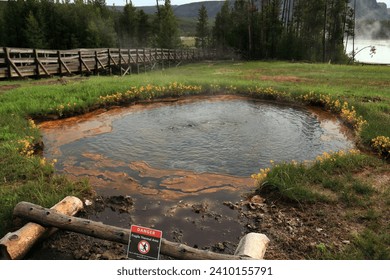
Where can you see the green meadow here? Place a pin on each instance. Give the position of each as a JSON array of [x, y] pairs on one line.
[[359, 95]]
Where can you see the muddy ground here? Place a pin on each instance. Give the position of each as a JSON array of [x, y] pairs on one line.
[[295, 231]]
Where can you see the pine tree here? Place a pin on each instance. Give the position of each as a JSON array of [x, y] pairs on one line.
[[2, 31], [33, 33], [166, 27], [202, 29], [143, 29], [128, 26], [222, 27]]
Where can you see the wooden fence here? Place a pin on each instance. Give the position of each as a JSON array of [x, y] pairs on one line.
[[20, 62]]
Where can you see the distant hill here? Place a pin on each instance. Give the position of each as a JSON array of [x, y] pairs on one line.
[[366, 9], [371, 10], [189, 10]]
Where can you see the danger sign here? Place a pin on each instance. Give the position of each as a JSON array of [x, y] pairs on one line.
[[144, 243]]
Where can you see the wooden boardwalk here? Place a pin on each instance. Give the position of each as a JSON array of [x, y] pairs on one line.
[[21, 62]]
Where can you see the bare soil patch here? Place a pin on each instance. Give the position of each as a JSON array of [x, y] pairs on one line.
[[8, 87], [277, 78]]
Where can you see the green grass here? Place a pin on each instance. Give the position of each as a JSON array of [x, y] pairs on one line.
[[367, 88], [369, 245], [327, 180]]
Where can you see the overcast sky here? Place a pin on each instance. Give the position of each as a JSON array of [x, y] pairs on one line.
[[177, 2]]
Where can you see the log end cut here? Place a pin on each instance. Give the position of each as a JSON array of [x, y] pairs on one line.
[[252, 245]]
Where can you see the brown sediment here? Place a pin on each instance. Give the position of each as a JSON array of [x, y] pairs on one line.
[[173, 183], [65, 131], [330, 122], [189, 181]]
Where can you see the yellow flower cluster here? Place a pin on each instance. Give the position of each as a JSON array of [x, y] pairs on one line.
[[332, 156], [43, 161], [381, 144], [268, 92], [259, 177], [26, 146], [350, 116], [347, 113], [149, 91], [32, 124], [60, 109]]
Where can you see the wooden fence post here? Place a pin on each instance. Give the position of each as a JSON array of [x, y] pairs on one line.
[[109, 61], [162, 58], [8, 62], [169, 58], [120, 61], [80, 63], [129, 60], [59, 62], [36, 62], [144, 52], [96, 63], [137, 60]]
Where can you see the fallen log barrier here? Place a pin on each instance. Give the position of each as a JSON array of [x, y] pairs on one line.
[[15, 245], [251, 246]]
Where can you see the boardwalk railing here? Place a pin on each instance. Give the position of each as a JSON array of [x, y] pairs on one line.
[[20, 62]]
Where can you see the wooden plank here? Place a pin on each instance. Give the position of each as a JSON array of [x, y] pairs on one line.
[[46, 52], [49, 217], [100, 62], [39, 64], [3, 73], [82, 63], [11, 65], [20, 61], [20, 51]]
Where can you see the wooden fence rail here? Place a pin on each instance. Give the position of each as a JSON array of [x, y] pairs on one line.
[[20, 62]]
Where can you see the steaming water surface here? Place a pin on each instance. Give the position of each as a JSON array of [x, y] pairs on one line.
[[172, 157], [381, 56], [235, 137]]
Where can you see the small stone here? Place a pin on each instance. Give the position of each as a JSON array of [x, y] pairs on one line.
[[88, 202], [251, 226], [220, 246], [257, 199]]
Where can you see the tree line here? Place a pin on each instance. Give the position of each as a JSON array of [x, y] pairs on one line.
[[285, 29], [256, 29], [63, 24]]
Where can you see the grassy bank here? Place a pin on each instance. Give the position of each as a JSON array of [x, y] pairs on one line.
[[360, 95]]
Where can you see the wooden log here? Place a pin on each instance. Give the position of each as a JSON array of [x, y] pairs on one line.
[[246, 248], [49, 217], [18, 243]]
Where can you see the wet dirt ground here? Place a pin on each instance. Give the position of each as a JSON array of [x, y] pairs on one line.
[[295, 230]]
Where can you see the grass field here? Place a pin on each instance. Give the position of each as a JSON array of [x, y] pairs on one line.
[[360, 95]]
